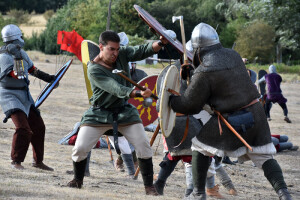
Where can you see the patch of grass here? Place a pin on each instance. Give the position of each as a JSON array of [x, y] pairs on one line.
[[289, 74], [281, 68]]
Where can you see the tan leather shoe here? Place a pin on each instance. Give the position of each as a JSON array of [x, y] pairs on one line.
[[119, 165], [214, 192], [42, 166], [16, 165]]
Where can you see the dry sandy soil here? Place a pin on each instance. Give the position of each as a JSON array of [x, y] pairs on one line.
[[64, 108]]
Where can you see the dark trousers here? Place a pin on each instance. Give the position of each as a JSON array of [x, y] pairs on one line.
[[268, 107], [28, 130]]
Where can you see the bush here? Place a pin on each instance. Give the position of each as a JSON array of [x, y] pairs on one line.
[[20, 16], [48, 14], [256, 42]]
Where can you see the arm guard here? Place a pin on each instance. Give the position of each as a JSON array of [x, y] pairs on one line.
[[43, 76]]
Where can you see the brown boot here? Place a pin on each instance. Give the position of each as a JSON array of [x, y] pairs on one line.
[[214, 192], [42, 166], [119, 165], [150, 190], [16, 165], [287, 120], [75, 183]]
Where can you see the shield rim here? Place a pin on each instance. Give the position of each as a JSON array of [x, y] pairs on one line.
[[164, 92], [146, 17], [46, 91]]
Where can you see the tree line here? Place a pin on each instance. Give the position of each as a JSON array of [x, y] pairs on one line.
[[37, 6], [262, 31]]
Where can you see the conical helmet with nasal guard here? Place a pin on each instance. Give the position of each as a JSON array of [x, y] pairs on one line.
[[204, 35], [11, 32]]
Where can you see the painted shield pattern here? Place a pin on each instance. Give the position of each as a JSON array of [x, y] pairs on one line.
[[147, 114]]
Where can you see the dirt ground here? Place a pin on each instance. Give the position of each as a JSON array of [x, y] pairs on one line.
[[64, 108]]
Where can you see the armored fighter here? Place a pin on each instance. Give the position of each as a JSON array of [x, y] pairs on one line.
[[16, 100], [221, 81]]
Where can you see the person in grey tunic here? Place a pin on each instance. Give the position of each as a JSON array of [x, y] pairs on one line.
[[212, 84], [16, 100]]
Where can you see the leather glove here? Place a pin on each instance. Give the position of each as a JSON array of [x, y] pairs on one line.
[[14, 50], [171, 97], [186, 71]]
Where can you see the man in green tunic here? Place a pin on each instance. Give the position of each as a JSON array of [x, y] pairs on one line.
[[109, 103]]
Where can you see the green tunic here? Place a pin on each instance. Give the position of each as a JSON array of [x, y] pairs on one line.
[[110, 91]]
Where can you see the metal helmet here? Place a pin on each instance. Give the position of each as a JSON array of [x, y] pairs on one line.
[[272, 69], [11, 32], [189, 47], [204, 35], [123, 39]]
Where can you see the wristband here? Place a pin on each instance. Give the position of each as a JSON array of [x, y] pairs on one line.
[[138, 93], [161, 44]]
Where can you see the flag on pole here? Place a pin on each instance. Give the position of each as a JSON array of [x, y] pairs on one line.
[[70, 41]]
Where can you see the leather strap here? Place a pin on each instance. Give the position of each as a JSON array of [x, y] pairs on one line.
[[250, 104], [174, 92], [232, 129], [186, 131], [219, 114], [115, 132]]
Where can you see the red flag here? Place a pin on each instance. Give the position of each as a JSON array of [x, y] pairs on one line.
[[70, 41], [59, 37]]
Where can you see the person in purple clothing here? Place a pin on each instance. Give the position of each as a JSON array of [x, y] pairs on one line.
[[274, 94]]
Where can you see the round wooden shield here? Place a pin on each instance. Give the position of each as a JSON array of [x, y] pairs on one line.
[[50, 86], [166, 114], [147, 114], [162, 31], [160, 78]]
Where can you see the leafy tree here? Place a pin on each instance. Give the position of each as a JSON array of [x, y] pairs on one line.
[[39, 6], [284, 16], [256, 42], [125, 18]]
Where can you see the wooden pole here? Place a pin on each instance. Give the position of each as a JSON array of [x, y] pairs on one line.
[[110, 152], [234, 131], [108, 16], [135, 84]]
